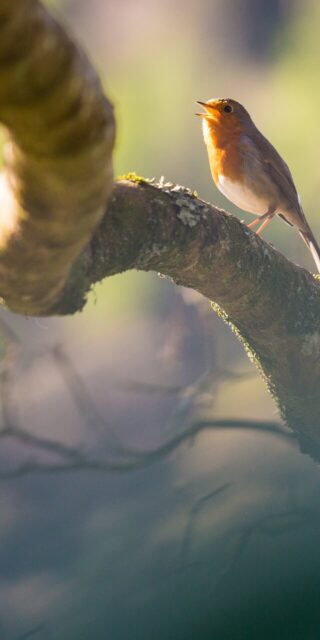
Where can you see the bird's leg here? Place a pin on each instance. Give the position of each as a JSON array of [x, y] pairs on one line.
[[260, 218], [264, 224], [265, 219], [252, 224]]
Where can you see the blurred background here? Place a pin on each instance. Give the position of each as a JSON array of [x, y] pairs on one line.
[[148, 488]]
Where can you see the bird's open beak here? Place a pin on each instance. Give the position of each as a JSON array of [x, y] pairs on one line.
[[208, 110], [203, 114]]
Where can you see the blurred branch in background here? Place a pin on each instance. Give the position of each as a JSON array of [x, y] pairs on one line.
[[292, 518], [191, 399], [107, 453], [195, 510], [268, 526], [31, 633]]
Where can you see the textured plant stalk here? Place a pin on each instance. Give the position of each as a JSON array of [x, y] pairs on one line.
[[272, 304], [58, 173]]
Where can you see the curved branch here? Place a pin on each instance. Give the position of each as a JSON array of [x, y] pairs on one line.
[[58, 162], [272, 304]]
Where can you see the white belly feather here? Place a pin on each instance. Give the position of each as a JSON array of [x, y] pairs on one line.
[[241, 196]]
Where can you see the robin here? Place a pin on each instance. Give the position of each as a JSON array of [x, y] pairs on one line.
[[249, 171]]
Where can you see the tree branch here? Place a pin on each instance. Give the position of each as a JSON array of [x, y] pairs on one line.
[[58, 162], [272, 304]]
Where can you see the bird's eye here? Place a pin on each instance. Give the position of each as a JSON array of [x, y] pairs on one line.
[[227, 108]]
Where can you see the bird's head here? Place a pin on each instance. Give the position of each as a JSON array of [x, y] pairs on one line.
[[225, 112]]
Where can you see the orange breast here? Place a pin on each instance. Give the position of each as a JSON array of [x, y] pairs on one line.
[[223, 146]]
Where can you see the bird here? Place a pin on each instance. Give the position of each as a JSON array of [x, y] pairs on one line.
[[249, 171]]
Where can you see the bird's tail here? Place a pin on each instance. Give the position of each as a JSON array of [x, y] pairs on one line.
[[308, 237]]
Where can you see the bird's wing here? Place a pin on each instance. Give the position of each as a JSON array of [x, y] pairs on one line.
[[279, 167], [280, 175]]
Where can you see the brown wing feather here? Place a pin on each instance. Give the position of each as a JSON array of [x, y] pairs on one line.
[[279, 168], [281, 175]]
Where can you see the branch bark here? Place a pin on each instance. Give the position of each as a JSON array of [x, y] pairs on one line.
[[58, 172], [272, 304], [54, 192]]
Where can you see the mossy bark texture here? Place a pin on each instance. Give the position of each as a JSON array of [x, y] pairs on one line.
[[58, 236], [272, 304]]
